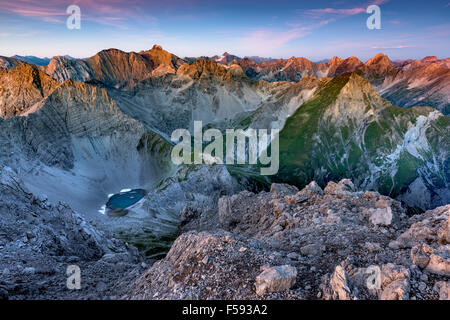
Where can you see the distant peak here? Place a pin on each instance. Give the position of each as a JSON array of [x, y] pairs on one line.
[[379, 58], [157, 47], [335, 60], [430, 59]]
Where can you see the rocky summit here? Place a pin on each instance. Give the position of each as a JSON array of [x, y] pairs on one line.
[[307, 244]]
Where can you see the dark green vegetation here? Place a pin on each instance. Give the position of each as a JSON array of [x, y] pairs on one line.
[[147, 242]]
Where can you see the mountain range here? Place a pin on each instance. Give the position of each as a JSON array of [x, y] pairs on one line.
[[381, 123], [404, 83], [76, 132]]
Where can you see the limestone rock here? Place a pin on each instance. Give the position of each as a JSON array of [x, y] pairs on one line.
[[443, 287], [436, 261], [440, 261], [394, 282], [444, 232], [339, 284], [312, 187], [275, 279], [432, 227], [420, 255], [342, 187], [281, 189], [312, 249], [212, 265], [396, 290], [381, 216]]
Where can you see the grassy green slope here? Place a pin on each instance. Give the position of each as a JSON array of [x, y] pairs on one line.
[[384, 147]]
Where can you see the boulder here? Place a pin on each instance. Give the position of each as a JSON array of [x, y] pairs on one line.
[[344, 186], [440, 261], [396, 290], [312, 249], [443, 287], [312, 187], [339, 284], [276, 279], [394, 282], [381, 217], [436, 261], [420, 255], [282, 189], [431, 227], [444, 232]]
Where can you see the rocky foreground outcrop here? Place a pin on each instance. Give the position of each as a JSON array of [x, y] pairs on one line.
[[336, 243]]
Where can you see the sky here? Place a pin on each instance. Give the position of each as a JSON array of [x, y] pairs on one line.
[[315, 29]]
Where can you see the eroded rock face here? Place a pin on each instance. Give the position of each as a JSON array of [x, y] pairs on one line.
[[21, 88]]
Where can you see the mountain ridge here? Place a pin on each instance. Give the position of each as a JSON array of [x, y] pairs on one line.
[[369, 142]]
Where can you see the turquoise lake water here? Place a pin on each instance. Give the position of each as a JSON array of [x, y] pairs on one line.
[[123, 200]]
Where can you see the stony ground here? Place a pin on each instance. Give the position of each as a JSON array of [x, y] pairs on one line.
[[335, 243]]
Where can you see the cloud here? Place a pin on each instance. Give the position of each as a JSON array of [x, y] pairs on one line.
[[391, 47], [378, 2], [266, 40], [348, 12], [345, 12], [106, 12]]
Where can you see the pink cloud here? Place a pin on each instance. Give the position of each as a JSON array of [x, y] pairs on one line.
[[378, 2], [346, 12], [391, 47], [107, 12], [338, 11], [265, 40]]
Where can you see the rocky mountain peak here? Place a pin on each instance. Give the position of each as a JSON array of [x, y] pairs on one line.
[[430, 59], [379, 59], [377, 69], [202, 69], [22, 87], [63, 68], [9, 63], [335, 60]]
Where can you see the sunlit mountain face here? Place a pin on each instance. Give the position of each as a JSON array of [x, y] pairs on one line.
[[120, 154]]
